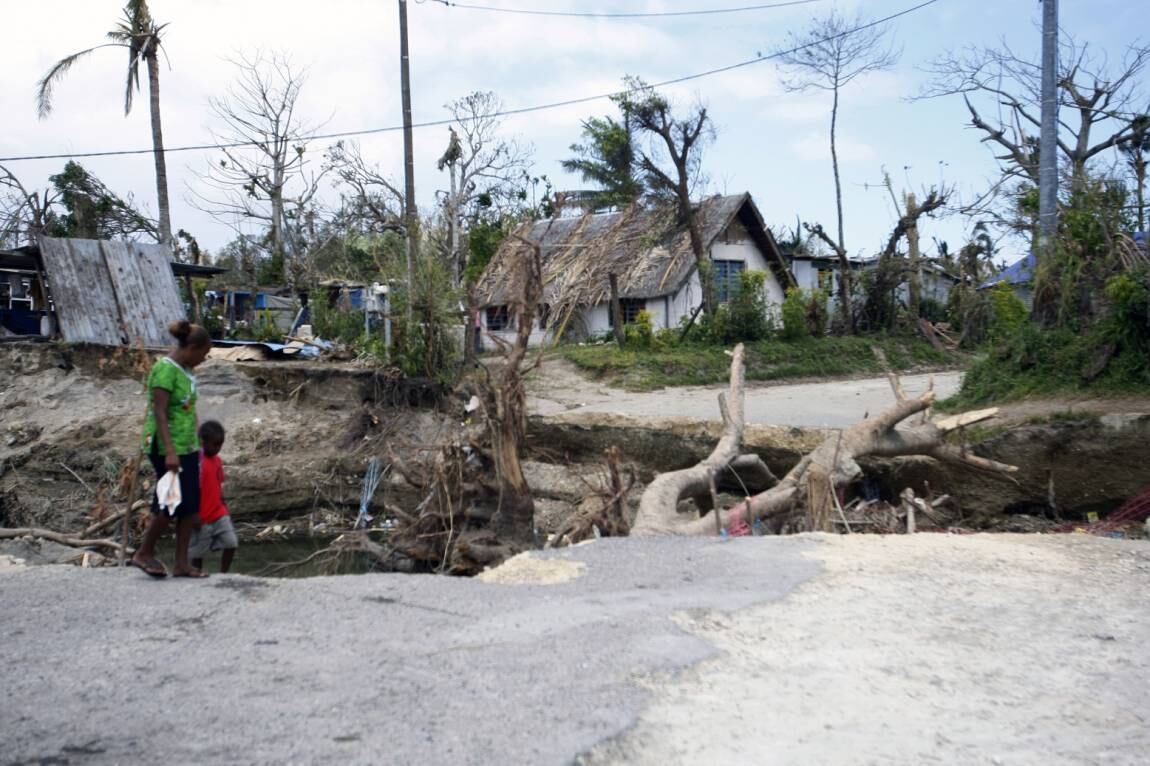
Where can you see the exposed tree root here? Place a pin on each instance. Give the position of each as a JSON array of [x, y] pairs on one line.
[[806, 498]]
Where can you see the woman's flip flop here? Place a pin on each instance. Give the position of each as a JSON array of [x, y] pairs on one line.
[[153, 568]]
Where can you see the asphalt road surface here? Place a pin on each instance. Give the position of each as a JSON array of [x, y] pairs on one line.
[[812, 649]]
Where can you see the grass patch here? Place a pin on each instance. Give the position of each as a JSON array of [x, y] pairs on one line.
[[649, 369], [1035, 362]]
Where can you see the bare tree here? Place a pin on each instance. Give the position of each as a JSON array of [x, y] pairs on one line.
[[833, 52], [267, 180], [1093, 97], [375, 198], [24, 214], [481, 165], [679, 140]]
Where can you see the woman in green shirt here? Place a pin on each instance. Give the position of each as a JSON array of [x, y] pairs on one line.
[[172, 443]]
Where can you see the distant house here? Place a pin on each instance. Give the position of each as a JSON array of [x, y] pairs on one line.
[[936, 285], [649, 252], [820, 272], [1020, 276]]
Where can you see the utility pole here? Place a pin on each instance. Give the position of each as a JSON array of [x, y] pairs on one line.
[[1048, 140], [410, 212]]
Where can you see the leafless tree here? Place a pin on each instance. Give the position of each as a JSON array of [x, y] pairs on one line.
[[268, 180], [677, 140], [1002, 92], [368, 191], [829, 55], [481, 165], [23, 214]]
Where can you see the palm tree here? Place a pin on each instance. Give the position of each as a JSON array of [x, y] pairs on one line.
[[140, 34]]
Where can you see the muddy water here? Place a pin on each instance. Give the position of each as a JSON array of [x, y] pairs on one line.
[[280, 558]]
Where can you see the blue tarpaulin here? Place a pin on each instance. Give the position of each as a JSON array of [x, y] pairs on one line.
[[1019, 273], [274, 349]]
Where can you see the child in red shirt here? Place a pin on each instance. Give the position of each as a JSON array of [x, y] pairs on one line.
[[215, 532]]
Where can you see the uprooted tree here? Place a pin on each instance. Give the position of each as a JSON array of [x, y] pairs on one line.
[[806, 497]]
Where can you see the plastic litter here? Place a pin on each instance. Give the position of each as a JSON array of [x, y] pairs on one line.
[[168, 492]]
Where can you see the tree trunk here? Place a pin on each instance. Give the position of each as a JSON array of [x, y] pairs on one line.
[[702, 260], [915, 262], [658, 508], [158, 149], [617, 311], [515, 518], [470, 327], [1140, 190], [279, 259], [811, 485], [846, 281], [453, 215]]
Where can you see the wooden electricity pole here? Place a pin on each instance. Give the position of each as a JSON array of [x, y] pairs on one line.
[[410, 212], [1048, 139]]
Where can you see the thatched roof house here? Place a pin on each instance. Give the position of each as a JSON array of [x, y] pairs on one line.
[[649, 251]]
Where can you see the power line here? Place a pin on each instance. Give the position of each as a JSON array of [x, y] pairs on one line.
[[503, 113], [619, 14]]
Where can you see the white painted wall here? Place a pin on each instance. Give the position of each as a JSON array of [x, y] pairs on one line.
[[935, 286]]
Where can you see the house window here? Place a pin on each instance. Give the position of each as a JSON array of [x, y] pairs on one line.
[[727, 279], [498, 318], [630, 307], [826, 279]]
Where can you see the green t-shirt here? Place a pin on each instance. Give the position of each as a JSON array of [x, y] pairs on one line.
[[181, 386]]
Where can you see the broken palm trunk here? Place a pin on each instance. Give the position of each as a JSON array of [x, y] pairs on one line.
[[806, 498], [478, 509]]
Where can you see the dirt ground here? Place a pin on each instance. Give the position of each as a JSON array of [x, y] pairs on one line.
[[300, 438], [560, 388]]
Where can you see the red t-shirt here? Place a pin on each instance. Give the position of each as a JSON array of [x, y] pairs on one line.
[[212, 505]]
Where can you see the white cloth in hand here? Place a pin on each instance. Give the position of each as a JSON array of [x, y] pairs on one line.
[[168, 492]]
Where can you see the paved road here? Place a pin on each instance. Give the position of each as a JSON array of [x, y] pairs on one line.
[[899, 650], [830, 404], [106, 666]]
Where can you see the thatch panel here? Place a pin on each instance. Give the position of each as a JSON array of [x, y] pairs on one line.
[[648, 249]]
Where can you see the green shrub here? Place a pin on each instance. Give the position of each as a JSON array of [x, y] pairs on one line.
[[641, 332], [794, 313], [1009, 312], [745, 317]]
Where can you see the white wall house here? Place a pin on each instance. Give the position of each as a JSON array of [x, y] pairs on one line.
[[650, 254]]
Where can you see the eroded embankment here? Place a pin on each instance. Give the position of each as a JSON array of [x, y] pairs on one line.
[[1069, 465], [300, 437]]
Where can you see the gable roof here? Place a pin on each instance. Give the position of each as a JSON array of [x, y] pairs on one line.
[[645, 247]]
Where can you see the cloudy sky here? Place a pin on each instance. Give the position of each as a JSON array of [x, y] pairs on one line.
[[769, 142]]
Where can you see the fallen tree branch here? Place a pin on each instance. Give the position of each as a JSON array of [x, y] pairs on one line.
[[58, 537]]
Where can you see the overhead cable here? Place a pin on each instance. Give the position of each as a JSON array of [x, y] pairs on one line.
[[502, 113], [618, 14]]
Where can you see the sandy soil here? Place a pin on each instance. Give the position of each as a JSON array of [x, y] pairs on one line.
[[922, 649]]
